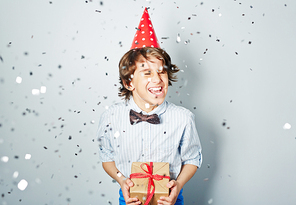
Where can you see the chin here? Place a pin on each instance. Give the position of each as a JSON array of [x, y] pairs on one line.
[[157, 101]]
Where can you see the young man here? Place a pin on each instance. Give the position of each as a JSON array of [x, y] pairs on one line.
[[146, 128]]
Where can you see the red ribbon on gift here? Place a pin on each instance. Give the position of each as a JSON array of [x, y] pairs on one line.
[[150, 179]]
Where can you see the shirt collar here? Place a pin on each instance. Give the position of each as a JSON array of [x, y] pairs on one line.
[[159, 110]]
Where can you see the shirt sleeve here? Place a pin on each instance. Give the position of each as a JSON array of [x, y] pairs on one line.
[[106, 151], [190, 147]]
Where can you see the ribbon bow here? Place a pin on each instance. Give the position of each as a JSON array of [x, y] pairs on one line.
[[151, 178], [136, 117]]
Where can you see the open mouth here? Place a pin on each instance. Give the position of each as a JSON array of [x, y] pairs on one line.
[[156, 90]]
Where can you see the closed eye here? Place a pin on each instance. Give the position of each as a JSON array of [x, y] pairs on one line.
[[162, 71], [147, 72]]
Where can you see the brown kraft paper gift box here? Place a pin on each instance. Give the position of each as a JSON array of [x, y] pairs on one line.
[[139, 190]]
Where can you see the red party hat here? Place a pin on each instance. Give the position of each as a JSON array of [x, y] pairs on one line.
[[145, 35]]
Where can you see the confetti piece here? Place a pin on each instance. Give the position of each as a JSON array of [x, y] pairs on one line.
[[116, 134], [210, 201], [43, 89], [4, 159], [18, 80], [38, 181], [22, 185], [35, 91], [178, 38], [287, 126], [27, 156], [15, 174], [119, 174], [147, 105]]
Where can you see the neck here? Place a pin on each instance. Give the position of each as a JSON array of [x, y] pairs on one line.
[[143, 104]]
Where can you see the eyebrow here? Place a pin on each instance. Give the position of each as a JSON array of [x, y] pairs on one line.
[[151, 61]]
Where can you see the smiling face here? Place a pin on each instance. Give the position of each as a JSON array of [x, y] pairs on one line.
[[149, 84]]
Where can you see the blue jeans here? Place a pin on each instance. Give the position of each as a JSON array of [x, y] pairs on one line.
[[180, 199]]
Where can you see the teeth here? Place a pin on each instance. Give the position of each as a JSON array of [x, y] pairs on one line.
[[155, 89]]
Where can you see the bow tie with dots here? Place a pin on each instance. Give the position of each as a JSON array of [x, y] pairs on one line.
[[136, 117]]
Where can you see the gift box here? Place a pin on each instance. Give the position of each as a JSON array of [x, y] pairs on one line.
[[150, 180]]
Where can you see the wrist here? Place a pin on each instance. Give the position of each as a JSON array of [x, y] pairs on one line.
[[179, 184], [120, 178]]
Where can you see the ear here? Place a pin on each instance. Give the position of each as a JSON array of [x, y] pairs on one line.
[[129, 86]]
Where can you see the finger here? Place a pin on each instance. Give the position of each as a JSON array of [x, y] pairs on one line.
[[133, 201], [167, 200], [171, 183], [136, 203], [164, 201], [130, 200], [129, 182]]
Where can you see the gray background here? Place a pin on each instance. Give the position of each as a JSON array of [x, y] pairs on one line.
[[238, 68]]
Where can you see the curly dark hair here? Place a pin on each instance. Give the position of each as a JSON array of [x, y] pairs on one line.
[[127, 67]]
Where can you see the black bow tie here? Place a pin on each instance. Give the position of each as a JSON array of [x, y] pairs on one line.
[[136, 117]]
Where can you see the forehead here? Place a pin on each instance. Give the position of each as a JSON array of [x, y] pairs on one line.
[[149, 59]]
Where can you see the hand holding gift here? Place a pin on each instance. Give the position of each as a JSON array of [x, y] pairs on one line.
[[172, 198], [125, 187], [150, 181]]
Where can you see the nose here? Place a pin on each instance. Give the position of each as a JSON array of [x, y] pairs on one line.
[[156, 77]]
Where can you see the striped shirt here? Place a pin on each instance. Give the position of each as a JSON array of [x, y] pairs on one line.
[[174, 140]]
